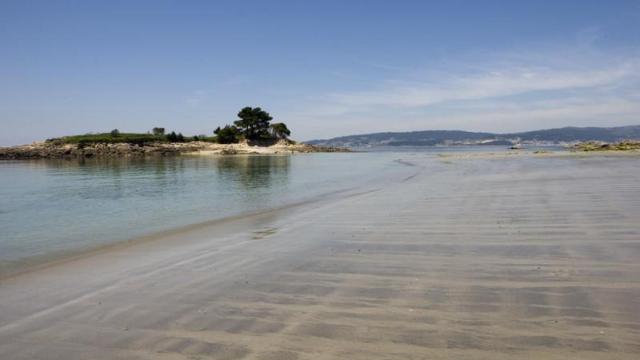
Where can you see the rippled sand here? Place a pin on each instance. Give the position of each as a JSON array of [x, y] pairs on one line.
[[485, 258]]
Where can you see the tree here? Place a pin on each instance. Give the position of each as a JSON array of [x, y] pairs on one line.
[[180, 138], [279, 130], [158, 131], [172, 136], [227, 135], [115, 133], [253, 123]]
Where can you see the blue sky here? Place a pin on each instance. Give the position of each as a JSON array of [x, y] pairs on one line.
[[326, 68]]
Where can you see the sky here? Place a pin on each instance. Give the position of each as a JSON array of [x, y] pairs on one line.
[[326, 68]]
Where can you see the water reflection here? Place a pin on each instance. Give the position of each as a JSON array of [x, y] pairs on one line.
[[255, 171], [250, 171], [158, 176]]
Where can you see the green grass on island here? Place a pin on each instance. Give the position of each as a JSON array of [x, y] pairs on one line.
[[128, 138]]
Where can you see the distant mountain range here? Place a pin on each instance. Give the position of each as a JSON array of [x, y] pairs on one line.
[[456, 137]]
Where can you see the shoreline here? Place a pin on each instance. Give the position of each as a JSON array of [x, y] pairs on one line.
[[568, 153], [37, 263], [46, 150]]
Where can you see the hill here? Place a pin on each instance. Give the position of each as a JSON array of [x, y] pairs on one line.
[[456, 137]]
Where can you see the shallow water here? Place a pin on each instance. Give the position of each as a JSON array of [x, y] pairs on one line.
[[474, 256], [52, 207]]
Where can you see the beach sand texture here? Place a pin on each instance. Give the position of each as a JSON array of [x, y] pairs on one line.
[[506, 258]]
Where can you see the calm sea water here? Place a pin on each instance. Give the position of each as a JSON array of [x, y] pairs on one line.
[[57, 207], [53, 207]]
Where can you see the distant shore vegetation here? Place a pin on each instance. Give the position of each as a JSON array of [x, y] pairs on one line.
[[253, 126]]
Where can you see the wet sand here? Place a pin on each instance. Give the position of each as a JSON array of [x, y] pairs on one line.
[[484, 258]]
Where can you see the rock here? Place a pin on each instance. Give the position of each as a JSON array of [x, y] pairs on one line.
[[58, 150], [627, 145]]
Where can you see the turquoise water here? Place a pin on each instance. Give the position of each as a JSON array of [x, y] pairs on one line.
[[50, 207]]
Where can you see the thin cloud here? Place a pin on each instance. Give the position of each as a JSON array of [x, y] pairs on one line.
[[486, 85], [520, 90]]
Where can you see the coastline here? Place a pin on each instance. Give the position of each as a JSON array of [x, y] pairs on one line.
[[46, 150], [230, 223], [49, 150], [569, 153], [31, 264]]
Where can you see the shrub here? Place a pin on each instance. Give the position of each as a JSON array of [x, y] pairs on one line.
[[227, 135]]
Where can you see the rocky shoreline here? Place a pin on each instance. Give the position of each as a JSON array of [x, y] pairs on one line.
[[48, 150], [627, 145]]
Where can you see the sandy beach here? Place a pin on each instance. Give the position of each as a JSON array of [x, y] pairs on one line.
[[459, 257]]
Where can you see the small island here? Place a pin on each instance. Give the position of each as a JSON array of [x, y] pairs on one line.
[[252, 133]]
